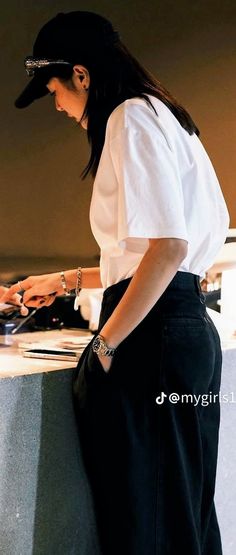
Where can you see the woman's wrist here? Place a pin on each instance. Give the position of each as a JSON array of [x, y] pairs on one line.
[[71, 278], [89, 278], [109, 338]]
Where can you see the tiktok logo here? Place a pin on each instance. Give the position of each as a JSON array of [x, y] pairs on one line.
[[160, 398]]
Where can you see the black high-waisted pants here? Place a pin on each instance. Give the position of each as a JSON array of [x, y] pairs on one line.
[[152, 465]]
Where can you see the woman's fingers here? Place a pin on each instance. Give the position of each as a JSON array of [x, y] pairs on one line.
[[10, 293], [37, 291], [29, 299], [24, 310], [50, 299], [35, 288], [17, 300], [2, 291], [34, 302], [39, 301], [34, 294]]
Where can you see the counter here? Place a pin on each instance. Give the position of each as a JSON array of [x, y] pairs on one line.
[[45, 500]]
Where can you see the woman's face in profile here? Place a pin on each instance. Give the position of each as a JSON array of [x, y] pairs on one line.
[[72, 102]]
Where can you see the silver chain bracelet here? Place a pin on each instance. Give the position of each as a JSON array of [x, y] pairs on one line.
[[78, 288], [63, 282]]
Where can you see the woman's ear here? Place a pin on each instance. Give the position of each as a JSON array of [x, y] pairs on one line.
[[82, 75]]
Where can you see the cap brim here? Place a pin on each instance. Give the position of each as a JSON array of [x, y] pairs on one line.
[[35, 89]]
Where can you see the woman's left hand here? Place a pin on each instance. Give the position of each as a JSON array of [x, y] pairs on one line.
[[38, 290], [105, 362]]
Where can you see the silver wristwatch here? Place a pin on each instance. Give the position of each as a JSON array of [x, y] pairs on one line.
[[100, 347]]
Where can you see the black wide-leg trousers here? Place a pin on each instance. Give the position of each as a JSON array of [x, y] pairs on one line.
[[149, 428]]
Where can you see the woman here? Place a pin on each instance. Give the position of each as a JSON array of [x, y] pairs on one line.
[[159, 217]]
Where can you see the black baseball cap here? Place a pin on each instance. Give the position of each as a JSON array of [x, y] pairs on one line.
[[62, 41]]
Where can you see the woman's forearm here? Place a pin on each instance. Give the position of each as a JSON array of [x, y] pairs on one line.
[[157, 268], [90, 278], [50, 285]]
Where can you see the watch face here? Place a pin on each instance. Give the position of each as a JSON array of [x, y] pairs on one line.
[[99, 346], [96, 344]]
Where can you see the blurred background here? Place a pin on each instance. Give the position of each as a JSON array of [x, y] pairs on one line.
[[189, 46]]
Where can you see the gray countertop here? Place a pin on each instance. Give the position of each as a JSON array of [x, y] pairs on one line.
[[46, 505]]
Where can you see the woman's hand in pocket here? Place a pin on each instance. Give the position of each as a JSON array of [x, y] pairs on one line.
[[105, 362]]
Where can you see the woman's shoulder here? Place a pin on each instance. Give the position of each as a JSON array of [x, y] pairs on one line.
[[136, 112]]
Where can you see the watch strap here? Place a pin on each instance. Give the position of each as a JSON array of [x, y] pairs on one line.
[[100, 346]]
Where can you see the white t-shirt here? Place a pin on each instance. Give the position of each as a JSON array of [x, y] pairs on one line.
[[154, 180]]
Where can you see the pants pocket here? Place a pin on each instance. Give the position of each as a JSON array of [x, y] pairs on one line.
[[94, 371], [79, 387]]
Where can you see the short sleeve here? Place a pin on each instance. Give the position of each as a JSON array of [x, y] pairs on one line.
[[150, 195]]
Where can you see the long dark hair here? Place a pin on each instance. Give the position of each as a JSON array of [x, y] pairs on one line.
[[116, 75]]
